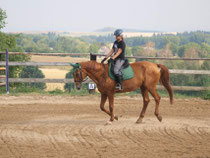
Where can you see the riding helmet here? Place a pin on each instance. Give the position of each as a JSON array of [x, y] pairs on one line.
[[118, 32]]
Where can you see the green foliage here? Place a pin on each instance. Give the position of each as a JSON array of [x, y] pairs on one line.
[[93, 48], [205, 48], [15, 70], [205, 65], [55, 92], [207, 96], [3, 16], [70, 86], [21, 88], [51, 43], [33, 72], [137, 51], [181, 51], [128, 52], [9, 42], [98, 39], [192, 44]]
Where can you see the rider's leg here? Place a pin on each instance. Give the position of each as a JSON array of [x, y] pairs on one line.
[[119, 81], [118, 73]]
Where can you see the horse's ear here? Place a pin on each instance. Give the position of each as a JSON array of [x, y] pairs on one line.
[[72, 64], [75, 65]]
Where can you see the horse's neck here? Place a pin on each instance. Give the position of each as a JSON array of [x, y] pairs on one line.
[[94, 70]]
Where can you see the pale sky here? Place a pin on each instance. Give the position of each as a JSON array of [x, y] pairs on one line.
[[90, 15]]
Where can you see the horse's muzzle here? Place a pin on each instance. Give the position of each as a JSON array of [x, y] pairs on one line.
[[78, 86]]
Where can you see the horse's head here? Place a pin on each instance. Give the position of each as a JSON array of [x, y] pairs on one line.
[[79, 75]]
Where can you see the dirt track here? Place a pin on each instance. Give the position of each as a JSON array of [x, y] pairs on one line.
[[63, 126]]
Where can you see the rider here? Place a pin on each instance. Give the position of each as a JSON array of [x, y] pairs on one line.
[[119, 56]]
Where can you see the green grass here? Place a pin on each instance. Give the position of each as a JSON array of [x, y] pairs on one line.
[[84, 92]]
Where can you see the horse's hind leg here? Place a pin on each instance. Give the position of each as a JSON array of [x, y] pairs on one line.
[[111, 107], [146, 100], [156, 96]]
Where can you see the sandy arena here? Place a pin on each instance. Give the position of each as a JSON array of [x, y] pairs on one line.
[[37, 126]]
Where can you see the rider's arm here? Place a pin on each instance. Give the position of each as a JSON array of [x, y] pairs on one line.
[[117, 54], [110, 53]]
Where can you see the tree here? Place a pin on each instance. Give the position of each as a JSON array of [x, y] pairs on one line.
[[192, 50], [166, 52], [33, 72], [3, 16], [181, 51], [43, 44], [174, 48], [205, 65], [28, 44], [94, 48], [149, 49], [9, 42], [69, 86], [70, 45], [137, 51], [205, 53]]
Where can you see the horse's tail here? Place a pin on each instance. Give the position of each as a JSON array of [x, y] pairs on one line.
[[164, 80]]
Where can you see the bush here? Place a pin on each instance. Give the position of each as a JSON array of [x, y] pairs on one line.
[[207, 96], [57, 91], [33, 72], [69, 86]]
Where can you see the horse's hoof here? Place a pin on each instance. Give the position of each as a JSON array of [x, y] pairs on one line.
[[116, 117], [159, 118], [108, 123], [139, 121]]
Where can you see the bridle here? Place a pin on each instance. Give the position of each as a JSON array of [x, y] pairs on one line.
[[81, 79]]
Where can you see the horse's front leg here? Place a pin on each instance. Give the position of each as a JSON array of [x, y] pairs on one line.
[[111, 107], [103, 101]]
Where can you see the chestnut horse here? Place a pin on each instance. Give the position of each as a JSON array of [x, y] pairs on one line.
[[146, 77]]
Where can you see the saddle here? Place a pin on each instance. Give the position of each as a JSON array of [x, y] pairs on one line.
[[126, 69]]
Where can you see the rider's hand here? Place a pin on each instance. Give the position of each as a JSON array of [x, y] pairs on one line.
[[110, 60], [103, 60]]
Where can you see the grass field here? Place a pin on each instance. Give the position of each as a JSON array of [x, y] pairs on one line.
[[39, 58], [54, 73]]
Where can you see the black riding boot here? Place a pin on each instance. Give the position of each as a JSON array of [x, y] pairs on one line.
[[119, 82]]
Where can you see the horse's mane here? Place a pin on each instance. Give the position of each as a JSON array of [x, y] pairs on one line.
[[92, 66]]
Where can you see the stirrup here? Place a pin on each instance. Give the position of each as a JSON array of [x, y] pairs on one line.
[[119, 86]]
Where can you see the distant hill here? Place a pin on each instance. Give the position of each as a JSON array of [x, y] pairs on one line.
[[112, 29], [106, 29]]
